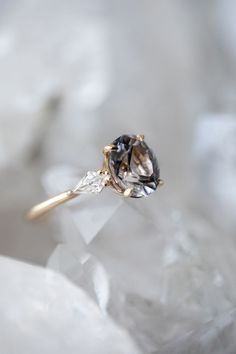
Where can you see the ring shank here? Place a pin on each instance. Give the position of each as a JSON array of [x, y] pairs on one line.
[[42, 208]]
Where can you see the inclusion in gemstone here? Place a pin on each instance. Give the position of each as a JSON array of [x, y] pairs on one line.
[[133, 166]]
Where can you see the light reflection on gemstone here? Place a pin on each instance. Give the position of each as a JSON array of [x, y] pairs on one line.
[[132, 164]]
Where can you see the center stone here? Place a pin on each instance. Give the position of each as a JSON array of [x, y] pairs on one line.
[[133, 165]]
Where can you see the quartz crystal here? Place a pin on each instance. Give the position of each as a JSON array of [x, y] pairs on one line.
[[42, 312], [133, 165]]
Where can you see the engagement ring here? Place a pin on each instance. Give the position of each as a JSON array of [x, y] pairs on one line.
[[129, 167]]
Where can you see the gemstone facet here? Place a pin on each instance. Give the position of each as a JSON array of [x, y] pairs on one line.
[[132, 165], [93, 182]]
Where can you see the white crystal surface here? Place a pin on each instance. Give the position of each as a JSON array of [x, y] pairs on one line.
[[216, 156], [84, 270], [52, 316]]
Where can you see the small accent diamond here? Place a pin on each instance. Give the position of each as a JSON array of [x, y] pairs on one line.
[[93, 182]]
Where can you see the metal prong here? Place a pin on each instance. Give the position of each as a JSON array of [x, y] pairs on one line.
[[103, 172], [108, 148], [141, 137], [160, 182], [127, 192]]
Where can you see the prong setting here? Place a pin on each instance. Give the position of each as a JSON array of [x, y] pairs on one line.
[[160, 182], [140, 137], [108, 148], [127, 192]]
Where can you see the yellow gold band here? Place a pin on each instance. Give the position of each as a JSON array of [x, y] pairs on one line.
[[42, 208]]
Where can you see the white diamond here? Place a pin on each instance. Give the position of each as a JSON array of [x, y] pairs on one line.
[[93, 182]]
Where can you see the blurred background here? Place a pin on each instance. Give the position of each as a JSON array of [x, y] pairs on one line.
[[76, 75]]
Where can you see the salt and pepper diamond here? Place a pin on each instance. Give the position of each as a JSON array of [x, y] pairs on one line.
[[132, 166]]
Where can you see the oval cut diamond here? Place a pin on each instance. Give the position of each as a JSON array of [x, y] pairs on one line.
[[133, 165]]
